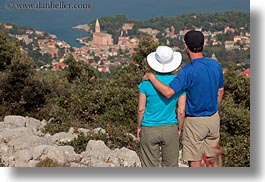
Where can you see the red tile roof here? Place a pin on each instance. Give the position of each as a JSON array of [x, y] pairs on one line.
[[246, 72]]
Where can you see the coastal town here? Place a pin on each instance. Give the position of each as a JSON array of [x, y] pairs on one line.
[[102, 53]]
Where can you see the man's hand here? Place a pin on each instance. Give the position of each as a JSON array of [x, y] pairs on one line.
[[162, 88], [147, 76]]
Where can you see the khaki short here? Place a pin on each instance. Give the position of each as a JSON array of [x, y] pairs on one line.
[[200, 134]]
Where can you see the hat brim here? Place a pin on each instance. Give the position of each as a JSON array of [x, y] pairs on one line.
[[164, 68]]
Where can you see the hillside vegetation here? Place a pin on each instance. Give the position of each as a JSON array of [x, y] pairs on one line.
[[80, 97]]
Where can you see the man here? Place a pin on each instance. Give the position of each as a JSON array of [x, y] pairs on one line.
[[204, 84]]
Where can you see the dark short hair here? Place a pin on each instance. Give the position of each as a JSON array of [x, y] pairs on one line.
[[194, 40]]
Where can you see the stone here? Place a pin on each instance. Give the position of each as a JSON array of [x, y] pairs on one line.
[[62, 154], [17, 121], [22, 144], [63, 137]]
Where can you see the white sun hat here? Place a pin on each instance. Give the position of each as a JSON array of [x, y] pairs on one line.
[[164, 60]]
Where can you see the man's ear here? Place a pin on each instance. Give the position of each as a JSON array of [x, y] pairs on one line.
[[186, 47]]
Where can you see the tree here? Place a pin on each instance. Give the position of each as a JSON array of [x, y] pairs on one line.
[[146, 46], [235, 120], [21, 92], [79, 70], [7, 50], [238, 86]]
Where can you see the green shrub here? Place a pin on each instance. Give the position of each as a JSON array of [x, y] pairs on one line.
[[235, 121], [236, 150], [50, 163], [1, 163]]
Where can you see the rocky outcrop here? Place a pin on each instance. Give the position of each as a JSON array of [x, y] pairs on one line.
[[22, 144], [84, 27]]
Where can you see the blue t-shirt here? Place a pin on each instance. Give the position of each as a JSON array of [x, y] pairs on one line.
[[201, 80], [159, 109]]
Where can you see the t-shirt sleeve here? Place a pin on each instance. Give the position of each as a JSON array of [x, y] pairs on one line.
[[180, 82], [141, 87], [221, 81], [182, 92]]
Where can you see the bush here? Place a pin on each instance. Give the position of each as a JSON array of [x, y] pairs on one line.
[[236, 150], [21, 92], [235, 121], [50, 163], [1, 163]]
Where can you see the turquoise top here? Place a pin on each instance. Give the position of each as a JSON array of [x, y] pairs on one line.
[[159, 109]]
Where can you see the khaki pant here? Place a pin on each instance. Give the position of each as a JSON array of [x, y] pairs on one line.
[[200, 134], [159, 146]]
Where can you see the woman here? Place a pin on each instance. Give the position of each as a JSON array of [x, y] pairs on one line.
[[158, 126]]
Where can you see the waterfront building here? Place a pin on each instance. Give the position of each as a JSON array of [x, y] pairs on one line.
[[101, 38]]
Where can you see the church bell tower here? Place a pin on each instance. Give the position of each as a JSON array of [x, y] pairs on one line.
[[97, 26]]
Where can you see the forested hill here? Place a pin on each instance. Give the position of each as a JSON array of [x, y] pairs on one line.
[[218, 28], [212, 22], [209, 21]]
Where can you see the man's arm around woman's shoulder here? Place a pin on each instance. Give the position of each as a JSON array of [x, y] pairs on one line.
[[161, 87]]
